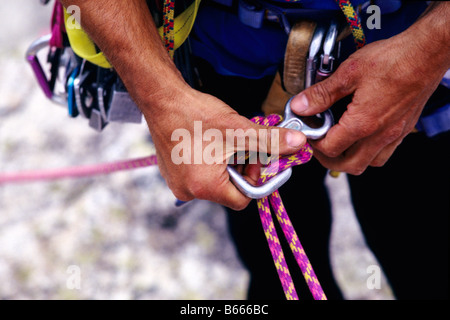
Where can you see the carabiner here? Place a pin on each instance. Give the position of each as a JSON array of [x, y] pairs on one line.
[[258, 192], [31, 56], [311, 61], [327, 58], [60, 69], [291, 121]]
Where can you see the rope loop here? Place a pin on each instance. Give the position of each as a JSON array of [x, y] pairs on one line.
[[274, 201]]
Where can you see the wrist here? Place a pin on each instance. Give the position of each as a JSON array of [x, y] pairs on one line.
[[153, 88], [431, 35]]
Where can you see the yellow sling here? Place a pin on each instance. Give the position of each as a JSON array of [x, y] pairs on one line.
[[85, 48]]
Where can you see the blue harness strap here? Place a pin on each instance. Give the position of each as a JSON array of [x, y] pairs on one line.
[[435, 123]]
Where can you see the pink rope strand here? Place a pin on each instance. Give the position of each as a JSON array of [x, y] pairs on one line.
[[76, 172]]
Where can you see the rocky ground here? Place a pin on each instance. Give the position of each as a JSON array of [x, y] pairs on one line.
[[118, 236]]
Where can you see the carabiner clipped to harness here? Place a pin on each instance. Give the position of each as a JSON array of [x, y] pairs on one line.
[[325, 42], [291, 121]]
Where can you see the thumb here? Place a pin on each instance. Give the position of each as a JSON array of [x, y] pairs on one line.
[[290, 141], [323, 95], [280, 141], [266, 139]]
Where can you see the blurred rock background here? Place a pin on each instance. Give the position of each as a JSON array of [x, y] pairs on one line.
[[121, 232]]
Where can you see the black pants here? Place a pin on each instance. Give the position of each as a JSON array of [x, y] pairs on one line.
[[402, 207]]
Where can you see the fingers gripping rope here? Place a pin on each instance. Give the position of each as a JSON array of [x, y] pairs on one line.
[[302, 156]]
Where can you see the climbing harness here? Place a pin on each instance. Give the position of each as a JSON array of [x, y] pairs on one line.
[[82, 79]]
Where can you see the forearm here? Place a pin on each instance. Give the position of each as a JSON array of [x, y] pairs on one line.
[[127, 35], [431, 32]]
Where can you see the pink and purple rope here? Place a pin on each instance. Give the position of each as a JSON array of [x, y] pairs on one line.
[[77, 172], [274, 200]]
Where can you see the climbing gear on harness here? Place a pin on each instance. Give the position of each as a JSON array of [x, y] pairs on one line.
[[283, 87], [311, 61], [79, 77], [314, 70], [318, 48], [174, 31], [327, 58], [32, 58], [290, 121]]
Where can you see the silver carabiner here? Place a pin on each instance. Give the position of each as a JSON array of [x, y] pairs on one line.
[[311, 61], [291, 121], [327, 58], [258, 192]]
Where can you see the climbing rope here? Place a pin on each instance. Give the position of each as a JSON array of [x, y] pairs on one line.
[[274, 201], [168, 26], [352, 17], [78, 171]]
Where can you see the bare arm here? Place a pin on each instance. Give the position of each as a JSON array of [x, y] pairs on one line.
[[125, 32]]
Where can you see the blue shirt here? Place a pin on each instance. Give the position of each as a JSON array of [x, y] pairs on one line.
[[236, 49]]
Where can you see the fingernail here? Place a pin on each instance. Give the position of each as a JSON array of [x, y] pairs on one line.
[[299, 103], [295, 139]]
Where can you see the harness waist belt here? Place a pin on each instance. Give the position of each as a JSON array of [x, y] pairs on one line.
[[253, 13], [435, 123]]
